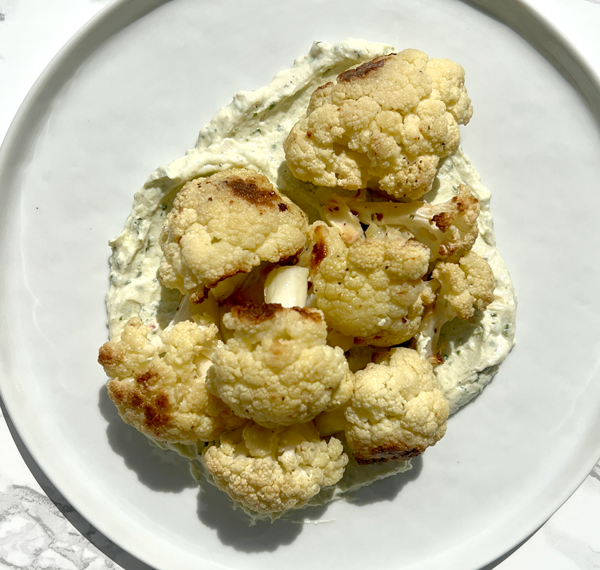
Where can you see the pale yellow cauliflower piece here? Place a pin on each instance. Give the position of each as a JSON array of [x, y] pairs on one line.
[[276, 368], [224, 225], [372, 289], [384, 124], [465, 286], [158, 385], [449, 229], [273, 470], [397, 409], [462, 288]]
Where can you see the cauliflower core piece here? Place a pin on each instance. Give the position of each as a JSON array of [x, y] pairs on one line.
[[397, 409], [373, 289], [159, 387], [277, 368], [227, 224], [384, 124], [287, 286], [273, 470]]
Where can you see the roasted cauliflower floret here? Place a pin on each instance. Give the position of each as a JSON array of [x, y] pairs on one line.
[[462, 288], [277, 368], [465, 286], [373, 289], [273, 470], [449, 229], [224, 225], [384, 124], [397, 409], [158, 385]]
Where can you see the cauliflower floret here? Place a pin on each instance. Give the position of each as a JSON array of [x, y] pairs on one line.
[[449, 229], [273, 470], [397, 409], [225, 225], [465, 286], [384, 124], [372, 290], [158, 385], [462, 288], [277, 368]]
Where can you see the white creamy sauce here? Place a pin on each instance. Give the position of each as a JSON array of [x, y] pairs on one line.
[[475, 348], [250, 133]]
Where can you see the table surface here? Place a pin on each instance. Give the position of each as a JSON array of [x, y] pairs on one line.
[[38, 527]]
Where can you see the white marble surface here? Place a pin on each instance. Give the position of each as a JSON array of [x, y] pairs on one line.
[[38, 528]]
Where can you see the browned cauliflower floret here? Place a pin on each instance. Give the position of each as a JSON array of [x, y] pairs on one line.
[[384, 124], [277, 368], [462, 288], [273, 470], [158, 385], [373, 289], [397, 409], [449, 229], [224, 225]]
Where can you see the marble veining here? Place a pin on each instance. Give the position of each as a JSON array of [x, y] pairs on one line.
[[35, 535]]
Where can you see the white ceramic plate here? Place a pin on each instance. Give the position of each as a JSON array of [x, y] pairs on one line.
[[130, 92]]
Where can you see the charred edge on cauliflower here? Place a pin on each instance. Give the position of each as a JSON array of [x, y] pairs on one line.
[[464, 217], [253, 194], [319, 248], [156, 406], [252, 314], [390, 452], [364, 69], [196, 297]]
